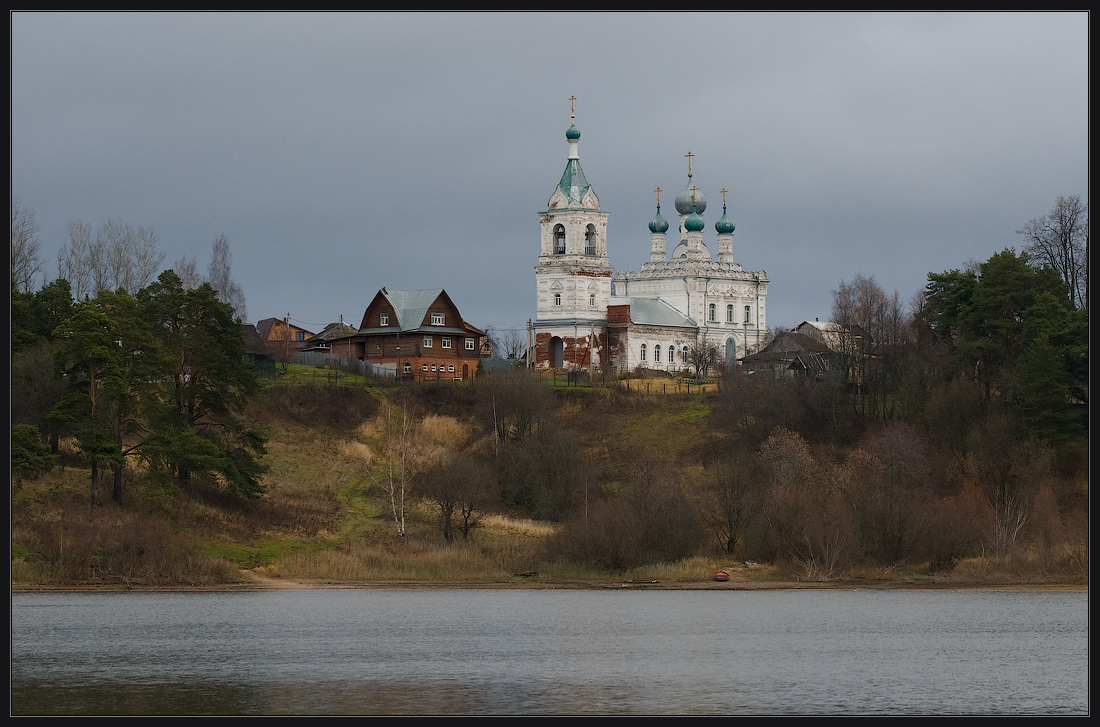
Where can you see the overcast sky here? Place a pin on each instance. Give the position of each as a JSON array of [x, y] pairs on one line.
[[340, 153]]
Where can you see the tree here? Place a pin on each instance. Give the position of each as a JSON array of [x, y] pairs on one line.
[[395, 467], [29, 456], [702, 355], [1060, 240], [120, 257], [221, 278], [25, 246], [731, 500], [209, 384], [457, 486]]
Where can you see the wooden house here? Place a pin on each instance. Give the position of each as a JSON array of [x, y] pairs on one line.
[[282, 337], [418, 334]]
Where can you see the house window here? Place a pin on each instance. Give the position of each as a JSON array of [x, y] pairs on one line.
[[557, 298], [657, 354], [437, 319], [427, 341], [729, 313], [425, 367], [748, 314], [433, 367], [671, 354], [592, 299], [299, 335], [559, 240], [383, 320], [469, 344], [450, 368], [446, 341], [643, 352], [711, 314], [408, 367]]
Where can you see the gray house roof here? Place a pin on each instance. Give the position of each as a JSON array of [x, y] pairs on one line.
[[410, 306], [654, 312]]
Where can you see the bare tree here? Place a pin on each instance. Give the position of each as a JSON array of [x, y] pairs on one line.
[[702, 355], [1060, 240], [395, 467], [221, 278], [120, 256], [188, 272], [25, 245], [512, 343], [72, 261]]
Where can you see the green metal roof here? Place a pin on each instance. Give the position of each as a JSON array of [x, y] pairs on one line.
[[573, 184]]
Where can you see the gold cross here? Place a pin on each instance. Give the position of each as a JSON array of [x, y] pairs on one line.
[[689, 155], [724, 190], [572, 114], [693, 190], [658, 191]]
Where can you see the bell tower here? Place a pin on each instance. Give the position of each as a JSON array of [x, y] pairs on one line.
[[573, 274]]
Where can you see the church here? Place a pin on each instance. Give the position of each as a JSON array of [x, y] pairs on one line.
[[591, 317]]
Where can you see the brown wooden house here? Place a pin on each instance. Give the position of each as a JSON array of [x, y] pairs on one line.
[[282, 337], [418, 334]]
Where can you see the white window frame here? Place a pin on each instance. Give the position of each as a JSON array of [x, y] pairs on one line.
[[729, 313], [383, 319], [641, 353], [427, 341], [748, 314], [438, 319], [469, 344], [450, 368], [446, 341], [408, 368], [557, 298], [712, 313], [657, 353]]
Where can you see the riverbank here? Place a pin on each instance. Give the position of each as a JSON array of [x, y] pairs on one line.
[[252, 581]]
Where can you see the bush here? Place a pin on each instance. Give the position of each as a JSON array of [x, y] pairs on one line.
[[29, 456]]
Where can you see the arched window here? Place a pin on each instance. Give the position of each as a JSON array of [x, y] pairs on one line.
[[590, 240], [712, 314], [559, 240], [685, 352], [671, 354], [557, 298], [408, 367], [642, 357], [729, 313], [592, 299], [657, 354], [748, 314]]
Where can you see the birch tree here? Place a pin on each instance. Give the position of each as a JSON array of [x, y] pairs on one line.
[[25, 245], [1060, 240]]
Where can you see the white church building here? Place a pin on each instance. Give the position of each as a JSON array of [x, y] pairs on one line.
[[591, 317]]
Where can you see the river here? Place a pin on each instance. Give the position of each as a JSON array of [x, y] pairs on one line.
[[551, 652]]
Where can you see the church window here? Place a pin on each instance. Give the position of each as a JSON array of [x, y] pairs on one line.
[[383, 320], [729, 313], [643, 352], [671, 354], [748, 314], [657, 354], [557, 298], [446, 341], [712, 314], [427, 341], [559, 240], [590, 240], [685, 352], [433, 367], [469, 344], [592, 299], [438, 319]]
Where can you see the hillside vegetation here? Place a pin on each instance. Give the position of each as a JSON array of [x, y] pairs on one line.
[[558, 485]]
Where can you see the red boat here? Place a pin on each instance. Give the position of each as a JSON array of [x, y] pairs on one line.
[[721, 576]]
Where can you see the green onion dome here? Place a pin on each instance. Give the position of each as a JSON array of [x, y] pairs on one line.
[[658, 223], [724, 225], [573, 133]]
